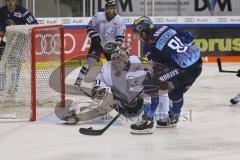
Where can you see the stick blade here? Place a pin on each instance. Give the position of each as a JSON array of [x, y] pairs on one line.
[[90, 131]]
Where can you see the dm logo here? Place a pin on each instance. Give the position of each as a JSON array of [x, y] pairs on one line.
[[201, 5]]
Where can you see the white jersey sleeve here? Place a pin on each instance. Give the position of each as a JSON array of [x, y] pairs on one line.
[[91, 27]]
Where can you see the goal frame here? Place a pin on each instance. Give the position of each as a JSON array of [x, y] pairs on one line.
[[33, 68]]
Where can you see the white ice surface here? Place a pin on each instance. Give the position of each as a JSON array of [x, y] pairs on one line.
[[213, 133]]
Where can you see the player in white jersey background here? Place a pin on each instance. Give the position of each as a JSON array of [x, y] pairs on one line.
[[106, 30]]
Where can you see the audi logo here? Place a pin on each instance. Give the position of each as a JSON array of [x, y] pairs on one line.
[[189, 19], [73, 43], [66, 21], [127, 20], [160, 19], [222, 20], [42, 21], [49, 43]]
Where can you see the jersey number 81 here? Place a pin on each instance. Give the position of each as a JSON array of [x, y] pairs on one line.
[[177, 45]]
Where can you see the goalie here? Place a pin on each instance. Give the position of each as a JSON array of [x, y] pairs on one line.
[[128, 82]]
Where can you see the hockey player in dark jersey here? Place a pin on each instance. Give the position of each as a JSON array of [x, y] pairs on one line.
[[173, 49], [13, 14]]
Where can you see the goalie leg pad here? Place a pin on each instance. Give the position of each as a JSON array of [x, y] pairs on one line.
[[93, 110], [98, 107]]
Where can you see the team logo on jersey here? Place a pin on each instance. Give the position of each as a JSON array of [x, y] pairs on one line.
[[109, 31], [17, 14]]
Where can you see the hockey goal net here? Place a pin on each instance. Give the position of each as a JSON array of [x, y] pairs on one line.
[[31, 70]]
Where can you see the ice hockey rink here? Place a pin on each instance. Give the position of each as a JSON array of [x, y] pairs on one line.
[[208, 130]]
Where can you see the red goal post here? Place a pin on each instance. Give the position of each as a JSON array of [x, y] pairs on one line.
[[31, 70], [62, 76]]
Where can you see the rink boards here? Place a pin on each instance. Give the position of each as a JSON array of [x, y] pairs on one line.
[[215, 36]]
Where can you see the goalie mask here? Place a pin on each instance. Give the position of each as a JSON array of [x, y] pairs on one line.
[[120, 59]]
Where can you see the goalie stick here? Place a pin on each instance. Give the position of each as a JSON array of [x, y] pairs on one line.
[[94, 132], [85, 93], [219, 62]]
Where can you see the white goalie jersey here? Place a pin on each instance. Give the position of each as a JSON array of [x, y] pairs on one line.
[[109, 31], [124, 85]]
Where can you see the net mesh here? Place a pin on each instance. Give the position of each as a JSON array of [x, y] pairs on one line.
[[16, 70]]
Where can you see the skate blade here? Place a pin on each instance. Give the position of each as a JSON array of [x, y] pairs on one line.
[[142, 132], [168, 126]]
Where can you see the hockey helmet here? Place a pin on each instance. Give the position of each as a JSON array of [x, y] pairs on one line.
[[143, 25], [110, 3], [120, 58]]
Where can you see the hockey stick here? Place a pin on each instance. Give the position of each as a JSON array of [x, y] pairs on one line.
[[93, 132], [220, 67], [85, 93]]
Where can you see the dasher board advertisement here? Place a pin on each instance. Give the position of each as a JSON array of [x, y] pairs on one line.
[[175, 7]]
